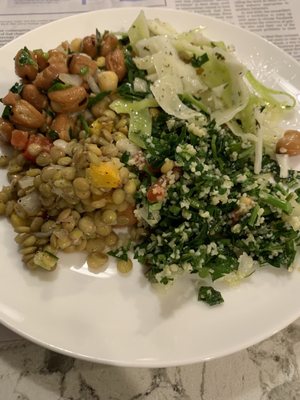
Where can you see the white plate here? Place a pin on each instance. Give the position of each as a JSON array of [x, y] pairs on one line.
[[121, 320]]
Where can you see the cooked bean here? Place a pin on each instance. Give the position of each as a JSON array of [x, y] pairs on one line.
[[124, 266], [41, 58], [4, 160], [89, 46], [25, 115], [87, 225], [111, 240], [82, 64], [28, 250], [72, 99], [109, 217], [69, 173], [81, 184], [103, 230], [6, 129], [289, 143], [22, 229], [32, 94], [99, 108], [107, 80], [75, 45], [25, 64], [118, 196], [63, 242], [16, 220], [57, 64], [56, 153], [2, 208], [76, 236], [130, 187], [115, 61], [108, 44], [93, 245], [43, 159], [36, 224], [29, 241], [48, 226], [96, 260]]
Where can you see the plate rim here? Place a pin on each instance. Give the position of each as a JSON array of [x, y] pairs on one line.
[[138, 363]]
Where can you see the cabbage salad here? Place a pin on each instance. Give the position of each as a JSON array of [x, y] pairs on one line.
[[216, 195]]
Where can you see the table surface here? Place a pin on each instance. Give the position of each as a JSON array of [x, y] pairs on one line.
[[266, 371]]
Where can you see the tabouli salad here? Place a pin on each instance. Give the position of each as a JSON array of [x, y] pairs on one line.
[[161, 132]]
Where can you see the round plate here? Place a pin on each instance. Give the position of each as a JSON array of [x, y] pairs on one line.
[[122, 320]]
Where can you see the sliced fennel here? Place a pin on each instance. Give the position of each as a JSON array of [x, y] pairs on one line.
[[140, 127], [166, 90], [122, 106], [140, 122], [139, 29], [267, 94]]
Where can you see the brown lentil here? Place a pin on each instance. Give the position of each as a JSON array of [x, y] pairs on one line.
[[97, 260]]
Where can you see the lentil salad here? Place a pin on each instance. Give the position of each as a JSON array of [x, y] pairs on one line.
[[196, 172]]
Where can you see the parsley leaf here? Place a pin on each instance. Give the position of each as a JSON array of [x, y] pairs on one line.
[[95, 99], [26, 58], [197, 62], [210, 295]]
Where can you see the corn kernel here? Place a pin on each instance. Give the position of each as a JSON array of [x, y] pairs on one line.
[[95, 127]]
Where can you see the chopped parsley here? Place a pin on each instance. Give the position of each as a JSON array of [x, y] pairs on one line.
[[198, 61], [25, 58], [17, 88], [210, 295], [94, 99], [216, 210]]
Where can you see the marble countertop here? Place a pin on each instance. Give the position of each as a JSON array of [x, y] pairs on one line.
[[266, 371]]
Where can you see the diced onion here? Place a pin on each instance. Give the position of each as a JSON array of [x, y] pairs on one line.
[[125, 145], [26, 181], [30, 203], [71, 79], [139, 85], [92, 84]]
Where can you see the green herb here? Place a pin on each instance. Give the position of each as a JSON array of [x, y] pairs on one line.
[[84, 124], [6, 112], [50, 112], [126, 90], [121, 253], [25, 58], [84, 70], [17, 88], [124, 39], [276, 202], [198, 61], [125, 158], [210, 296], [53, 135], [98, 40], [95, 99], [58, 85]]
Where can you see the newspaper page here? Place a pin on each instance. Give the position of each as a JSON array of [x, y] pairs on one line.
[[276, 20]]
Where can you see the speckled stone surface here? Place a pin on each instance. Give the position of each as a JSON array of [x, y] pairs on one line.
[[266, 371]]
